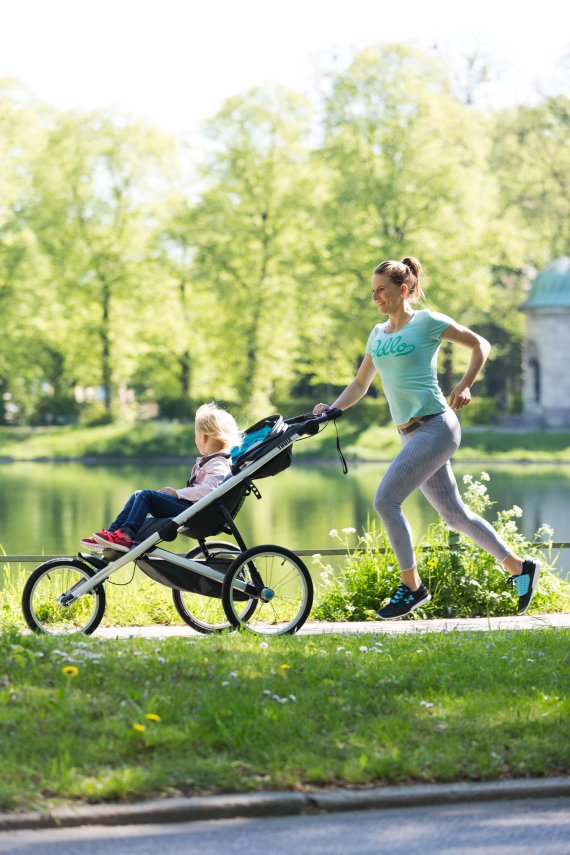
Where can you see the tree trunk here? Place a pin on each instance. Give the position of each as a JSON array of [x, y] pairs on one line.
[[185, 360], [104, 335]]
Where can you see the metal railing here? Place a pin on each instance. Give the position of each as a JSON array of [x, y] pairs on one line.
[[32, 559]]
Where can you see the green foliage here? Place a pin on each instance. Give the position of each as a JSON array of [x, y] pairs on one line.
[[464, 580]]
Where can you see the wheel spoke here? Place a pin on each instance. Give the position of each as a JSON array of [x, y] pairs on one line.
[[39, 600], [202, 612], [287, 583]]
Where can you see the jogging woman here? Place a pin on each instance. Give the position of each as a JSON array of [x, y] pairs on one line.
[[403, 350]]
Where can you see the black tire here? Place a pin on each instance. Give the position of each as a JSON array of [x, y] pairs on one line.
[[206, 614], [278, 581], [47, 582]]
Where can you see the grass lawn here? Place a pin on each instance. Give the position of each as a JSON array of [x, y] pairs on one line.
[[87, 719]]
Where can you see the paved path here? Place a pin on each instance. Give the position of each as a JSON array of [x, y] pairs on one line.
[[530, 827], [393, 627]]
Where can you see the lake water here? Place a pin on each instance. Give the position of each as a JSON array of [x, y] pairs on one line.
[[46, 508]]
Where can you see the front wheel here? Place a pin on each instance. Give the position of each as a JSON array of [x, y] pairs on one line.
[[278, 581], [203, 612], [43, 613]]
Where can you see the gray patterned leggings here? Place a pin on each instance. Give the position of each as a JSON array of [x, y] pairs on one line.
[[424, 462]]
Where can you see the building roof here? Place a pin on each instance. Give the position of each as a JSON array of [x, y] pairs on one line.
[[551, 288]]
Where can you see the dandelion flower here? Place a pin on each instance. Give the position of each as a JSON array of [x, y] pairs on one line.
[[70, 671], [138, 727], [282, 670], [152, 716]]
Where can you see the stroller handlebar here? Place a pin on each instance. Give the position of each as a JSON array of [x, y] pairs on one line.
[[308, 423]]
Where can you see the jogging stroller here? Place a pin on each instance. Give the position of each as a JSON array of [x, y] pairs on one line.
[[216, 585]]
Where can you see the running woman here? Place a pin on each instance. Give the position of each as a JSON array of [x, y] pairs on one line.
[[403, 350]]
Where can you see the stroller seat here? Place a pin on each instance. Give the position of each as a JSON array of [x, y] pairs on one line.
[[212, 520]]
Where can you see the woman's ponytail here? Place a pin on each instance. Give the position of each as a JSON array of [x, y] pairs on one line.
[[415, 268]]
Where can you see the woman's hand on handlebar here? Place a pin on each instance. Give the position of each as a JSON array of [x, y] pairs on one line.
[[318, 409]]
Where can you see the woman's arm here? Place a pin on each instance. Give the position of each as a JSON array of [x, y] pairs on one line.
[[480, 347], [355, 390]]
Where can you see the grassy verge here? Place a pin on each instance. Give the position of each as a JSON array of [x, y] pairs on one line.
[[359, 440], [91, 720]]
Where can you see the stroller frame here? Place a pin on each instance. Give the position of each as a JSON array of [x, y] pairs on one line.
[[244, 588]]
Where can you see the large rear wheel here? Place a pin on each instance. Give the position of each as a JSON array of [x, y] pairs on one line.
[[202, 612], [277, 581], [43, 613]]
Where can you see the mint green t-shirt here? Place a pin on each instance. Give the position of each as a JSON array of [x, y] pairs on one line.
[[407, 363]]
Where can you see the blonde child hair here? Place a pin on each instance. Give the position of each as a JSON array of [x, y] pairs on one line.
[[217, 423]]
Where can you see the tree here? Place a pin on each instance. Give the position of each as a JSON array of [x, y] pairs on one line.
[[254, 226], [95, 189], [409, 177], [21, 269], [531, 157]]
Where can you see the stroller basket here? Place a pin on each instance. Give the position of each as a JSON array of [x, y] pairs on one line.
[[174, 576]]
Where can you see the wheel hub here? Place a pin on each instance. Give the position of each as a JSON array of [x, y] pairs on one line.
[[267, 594]]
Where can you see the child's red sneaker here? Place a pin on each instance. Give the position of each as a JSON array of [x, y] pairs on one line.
[[91, 545], [115, 540]]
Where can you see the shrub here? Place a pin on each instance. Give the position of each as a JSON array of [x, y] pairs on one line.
[[464, 580]]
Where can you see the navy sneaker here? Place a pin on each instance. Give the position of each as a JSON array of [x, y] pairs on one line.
[[403, 601], [526, 583]]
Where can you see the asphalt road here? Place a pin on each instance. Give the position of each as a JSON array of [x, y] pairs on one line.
[[529, 827]]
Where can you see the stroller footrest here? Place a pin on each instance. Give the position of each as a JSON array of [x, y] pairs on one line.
[[169, 531]]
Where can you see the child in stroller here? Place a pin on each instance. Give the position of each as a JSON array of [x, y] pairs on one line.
[[216, 434]]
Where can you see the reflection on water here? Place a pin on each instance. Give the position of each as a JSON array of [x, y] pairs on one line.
[[47, 508]]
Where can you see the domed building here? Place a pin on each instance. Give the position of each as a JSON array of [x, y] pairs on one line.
[[546, 393]]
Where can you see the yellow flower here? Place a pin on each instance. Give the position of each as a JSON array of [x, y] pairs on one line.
[[70, 671], [152, 716], [282, 670], [138, 727]]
